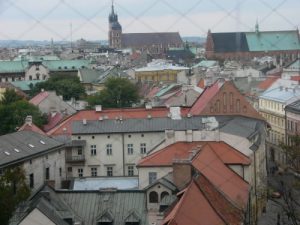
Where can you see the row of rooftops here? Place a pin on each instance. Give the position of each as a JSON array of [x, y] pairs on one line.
[[52, 65]]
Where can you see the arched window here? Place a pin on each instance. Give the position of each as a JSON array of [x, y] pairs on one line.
[[153, 197], [30, 77], [163, 194], [37, 76]]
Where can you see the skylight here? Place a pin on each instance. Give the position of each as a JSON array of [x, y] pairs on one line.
[[7, 153], [42, 142], [16, 150], [31, 145]]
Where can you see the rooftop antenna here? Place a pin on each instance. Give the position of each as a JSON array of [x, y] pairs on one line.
[[71, 36]]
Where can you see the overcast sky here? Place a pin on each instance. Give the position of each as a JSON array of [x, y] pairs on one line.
[[46, 19]]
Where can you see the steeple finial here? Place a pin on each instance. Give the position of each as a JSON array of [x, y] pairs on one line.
[[256, 27], [112, 7]]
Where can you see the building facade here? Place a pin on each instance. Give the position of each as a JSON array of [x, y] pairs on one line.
[[41, 157]]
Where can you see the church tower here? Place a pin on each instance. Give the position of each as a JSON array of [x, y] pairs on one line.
[[115, 29]]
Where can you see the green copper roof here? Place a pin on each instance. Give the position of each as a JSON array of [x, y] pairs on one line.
[[13, 66], [24, 85], [273, 41], [36, 58], [61, 65]]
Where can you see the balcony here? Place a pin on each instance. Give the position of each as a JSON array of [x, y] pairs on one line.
[[75, 159]]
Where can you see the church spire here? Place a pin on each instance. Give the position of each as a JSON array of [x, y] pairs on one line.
[[112, 7], [256, 27]]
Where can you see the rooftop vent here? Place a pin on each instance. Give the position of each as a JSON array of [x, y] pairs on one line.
[[148, 106], [149, 116], [7, 153], [16, 150], [100, 118], [189, 115]]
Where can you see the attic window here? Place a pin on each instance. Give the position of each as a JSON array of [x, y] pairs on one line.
[[66, 67], [16, 150], [42, 142], [31, 145], [7, 153], [82, 67], [59, 67], [73, 67]]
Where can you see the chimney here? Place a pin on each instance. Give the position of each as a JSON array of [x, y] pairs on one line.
[[175, 113], [98, 108], [84, 121], [182, 173], [281, 88], [28, 120]]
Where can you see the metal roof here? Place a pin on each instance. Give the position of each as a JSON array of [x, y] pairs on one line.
[[281, 94], [24, 85], [94, 206], [21, 145], [273, 40], [13, 66], [120, 183], [66, 65], [136, 125]]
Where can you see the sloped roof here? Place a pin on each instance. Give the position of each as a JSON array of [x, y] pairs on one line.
[[66, 65], [208, 163], [281, 94], [230, 42], [24, 85], [13, 66], [205, 97], [89, 75], [193, 208], [90, 206], [31, 127], [36, 100], [19, 146], [111, 114], [273, 40], [264, 85], [148, 39], [223, 99], [53, 120], [182, 150]]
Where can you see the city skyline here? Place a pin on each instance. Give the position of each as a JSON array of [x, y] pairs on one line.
[[31, 20]]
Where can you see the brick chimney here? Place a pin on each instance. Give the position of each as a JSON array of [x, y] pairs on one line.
[[28, 120], [182, 173]]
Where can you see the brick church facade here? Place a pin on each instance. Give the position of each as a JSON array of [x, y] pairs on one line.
[[156, 43]]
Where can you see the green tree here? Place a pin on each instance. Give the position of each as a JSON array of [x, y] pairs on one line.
[[293, 152], [10, 96], [118, 93], [65, 85], [13, 190], [13, 111]]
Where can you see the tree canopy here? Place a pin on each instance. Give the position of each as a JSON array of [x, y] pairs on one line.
[[65, 85], [293, 152], [118, 93], [13, 190], [13, 111]]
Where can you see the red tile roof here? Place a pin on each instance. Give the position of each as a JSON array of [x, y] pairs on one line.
[[208, 163], [193, 208], [125, 113], [264, 85], [205, 97], [295, 78], [39, 98], [182, 150], [212, 207], [31, 127], [53, 120], [222, 99]]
